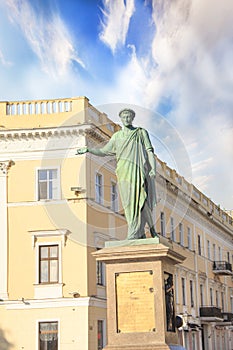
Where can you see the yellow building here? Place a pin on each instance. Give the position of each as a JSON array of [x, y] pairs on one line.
[[56, 208]]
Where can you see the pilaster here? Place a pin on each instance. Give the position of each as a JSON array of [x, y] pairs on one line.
[[4, 168]]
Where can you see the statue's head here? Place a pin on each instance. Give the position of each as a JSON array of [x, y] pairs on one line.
[[126, 112]]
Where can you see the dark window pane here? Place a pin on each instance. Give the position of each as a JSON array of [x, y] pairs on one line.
[[42, 174]]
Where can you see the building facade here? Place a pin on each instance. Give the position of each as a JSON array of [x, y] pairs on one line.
[[56, 208]]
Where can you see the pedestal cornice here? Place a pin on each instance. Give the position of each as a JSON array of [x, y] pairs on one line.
[[143, 249]]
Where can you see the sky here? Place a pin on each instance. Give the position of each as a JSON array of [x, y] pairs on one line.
[[170, 60]]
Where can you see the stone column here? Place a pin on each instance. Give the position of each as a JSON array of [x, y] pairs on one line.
[[136, 307], [4, 168]]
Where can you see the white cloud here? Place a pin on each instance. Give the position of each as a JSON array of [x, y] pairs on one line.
[[3, 61], [49, 38], [115, 24], [190, 63]]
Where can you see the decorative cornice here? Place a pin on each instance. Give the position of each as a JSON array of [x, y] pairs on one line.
[[49, 233], [5, 166], [61, 131], [43, 133]]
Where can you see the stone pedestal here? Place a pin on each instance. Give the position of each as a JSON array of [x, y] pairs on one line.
[[136, 307]]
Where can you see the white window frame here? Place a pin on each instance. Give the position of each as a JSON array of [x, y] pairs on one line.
[[48, 290], [45, 290], [58, 180], [47, 321], [99, 200]]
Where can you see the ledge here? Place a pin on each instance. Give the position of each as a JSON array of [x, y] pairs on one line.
[[149, 249]]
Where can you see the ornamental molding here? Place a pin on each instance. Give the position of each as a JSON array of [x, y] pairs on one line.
[[63, 233], [47, 143], [90, 130]]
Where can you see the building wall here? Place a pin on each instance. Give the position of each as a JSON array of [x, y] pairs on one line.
[[45, 135]]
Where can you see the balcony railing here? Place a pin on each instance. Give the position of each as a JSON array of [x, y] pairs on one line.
[[211, 313], [222, 268]]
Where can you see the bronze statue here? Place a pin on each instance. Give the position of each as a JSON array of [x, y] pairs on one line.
[[136, 170]]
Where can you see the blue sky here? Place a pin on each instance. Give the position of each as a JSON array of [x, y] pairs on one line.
[[173, 58]]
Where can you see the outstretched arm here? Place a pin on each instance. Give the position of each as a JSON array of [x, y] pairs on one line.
[[107, 150], [98, 152]]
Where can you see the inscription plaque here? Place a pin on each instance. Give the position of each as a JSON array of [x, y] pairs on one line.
[[135, 310]]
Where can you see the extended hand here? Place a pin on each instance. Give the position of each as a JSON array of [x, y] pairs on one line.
[[152, 173], [82, 150]]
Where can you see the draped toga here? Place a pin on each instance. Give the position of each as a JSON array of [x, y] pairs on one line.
[[136, 187]]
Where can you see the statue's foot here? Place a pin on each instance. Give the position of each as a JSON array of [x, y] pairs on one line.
[[153, 232]]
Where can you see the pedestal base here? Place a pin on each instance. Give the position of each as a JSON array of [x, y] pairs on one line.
[[136, 306]]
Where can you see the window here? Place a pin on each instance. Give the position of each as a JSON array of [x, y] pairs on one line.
[[228, 257], [208, 249], [189, 238], [199, 244], [172, 229], [201, 295], [181, 233], [48, 184], [223, 304], [176, 289], [214, 252], [183, 291], [191, 294], [100, 334], [114, 203], [217, 299], [100, 275], [219, 253], [99, 188], [48, 264], [48, 335], [162, 223], [211, 297]]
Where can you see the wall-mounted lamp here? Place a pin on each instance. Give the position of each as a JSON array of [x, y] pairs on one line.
[[75, 294], [77, 190]]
